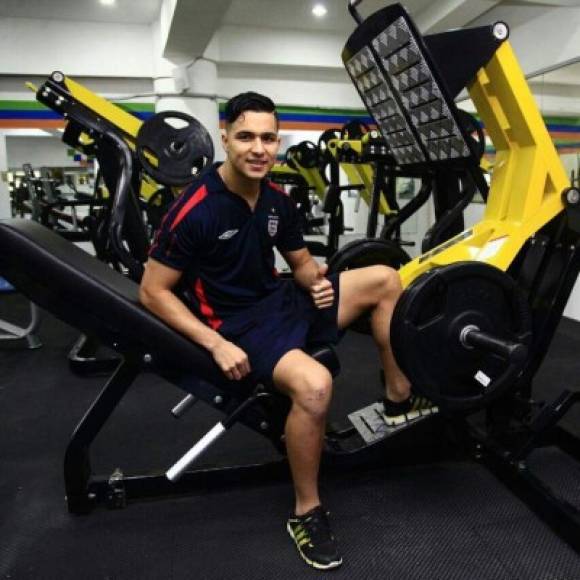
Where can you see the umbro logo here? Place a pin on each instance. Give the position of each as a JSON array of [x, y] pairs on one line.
[[228, 234]]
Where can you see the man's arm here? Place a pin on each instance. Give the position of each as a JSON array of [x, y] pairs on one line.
[[311, 276], [156, 294]]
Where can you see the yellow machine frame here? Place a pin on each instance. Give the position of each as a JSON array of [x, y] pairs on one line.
[[528, 177], [526, 186], [359, 173], [127, 123], [312, 176]]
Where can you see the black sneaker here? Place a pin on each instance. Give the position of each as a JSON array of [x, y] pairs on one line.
[[314, 539], [396, 414]]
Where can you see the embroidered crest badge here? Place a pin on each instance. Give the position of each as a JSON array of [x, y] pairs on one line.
[[272, 225]]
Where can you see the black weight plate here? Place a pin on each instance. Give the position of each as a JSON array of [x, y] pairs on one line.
[[323, 141], [181, 151], [362, 253], [289, 157], [354, 130], [306, 154], [325, 157], [426, 328], [301, 198]]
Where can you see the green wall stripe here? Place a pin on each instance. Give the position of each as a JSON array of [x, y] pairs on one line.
[[14, 105]]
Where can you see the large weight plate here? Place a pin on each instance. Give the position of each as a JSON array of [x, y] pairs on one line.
[[325, 157], [289, 157], [362, 253], [174, 147], [426, 328], [323, 140], [354, 130], [306, 154]]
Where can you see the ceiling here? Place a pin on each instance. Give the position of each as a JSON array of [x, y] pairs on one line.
[[124, 11], [297, 14], [264, 13], [566, 75], [294, 14], [275, 14]]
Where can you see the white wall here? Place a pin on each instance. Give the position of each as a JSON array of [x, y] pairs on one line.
[[571, 162], [38, 151], [135, 90], [556, 99], [542, 36], [279, 47], [4, 193], [38, 47], [311, 88]]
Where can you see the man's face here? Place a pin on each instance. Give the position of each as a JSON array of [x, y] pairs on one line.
[[251, 143]]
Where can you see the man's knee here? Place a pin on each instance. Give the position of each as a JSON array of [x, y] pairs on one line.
[[384, 282], [312, 392]]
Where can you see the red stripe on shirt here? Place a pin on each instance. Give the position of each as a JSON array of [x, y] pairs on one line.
[[277, 187], [196, 198], [205, 307]]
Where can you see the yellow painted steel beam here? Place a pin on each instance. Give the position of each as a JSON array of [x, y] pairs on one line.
[[528, 177], [359, 173], [126, 122], [284, 170], [313, 178]]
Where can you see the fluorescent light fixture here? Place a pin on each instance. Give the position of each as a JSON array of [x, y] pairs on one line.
[[319, 10], [107, 2]]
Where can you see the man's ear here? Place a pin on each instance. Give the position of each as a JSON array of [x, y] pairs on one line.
[[224, 139]]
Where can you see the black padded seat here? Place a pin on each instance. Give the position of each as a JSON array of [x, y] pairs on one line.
[[101, 302], [91, 296]]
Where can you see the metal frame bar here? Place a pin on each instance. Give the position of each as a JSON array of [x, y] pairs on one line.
[[562, 517], [528, 177]]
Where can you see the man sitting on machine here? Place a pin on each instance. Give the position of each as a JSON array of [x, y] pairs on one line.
[[216, 242]]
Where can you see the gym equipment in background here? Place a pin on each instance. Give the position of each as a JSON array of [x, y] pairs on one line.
[[519, 262], [173, 146], [482, 306], [12, 332]]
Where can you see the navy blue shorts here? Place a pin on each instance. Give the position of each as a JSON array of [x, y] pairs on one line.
[[285, 320]]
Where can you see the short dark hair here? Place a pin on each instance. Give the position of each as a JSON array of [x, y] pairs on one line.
[[249, 101]]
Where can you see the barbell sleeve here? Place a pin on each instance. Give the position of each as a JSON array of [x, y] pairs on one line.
[[472, 337]]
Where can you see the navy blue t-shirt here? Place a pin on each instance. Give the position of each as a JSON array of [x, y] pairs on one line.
[[223, 247]]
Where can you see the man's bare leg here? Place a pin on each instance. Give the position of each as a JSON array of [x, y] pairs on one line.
[[309, 385], [375, 288]]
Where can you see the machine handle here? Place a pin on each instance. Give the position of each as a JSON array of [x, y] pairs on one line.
[[178, 469], [352, 4]]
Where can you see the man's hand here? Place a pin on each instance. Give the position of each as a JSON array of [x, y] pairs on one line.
[[232, 360], [321, 289]]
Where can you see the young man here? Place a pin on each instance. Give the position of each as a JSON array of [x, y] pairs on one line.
[[217, 241]]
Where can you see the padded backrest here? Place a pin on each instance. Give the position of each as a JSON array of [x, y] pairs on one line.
[[91, 296], [398, 81]]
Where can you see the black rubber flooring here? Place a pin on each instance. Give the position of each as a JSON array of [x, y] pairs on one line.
[[450, 520]]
